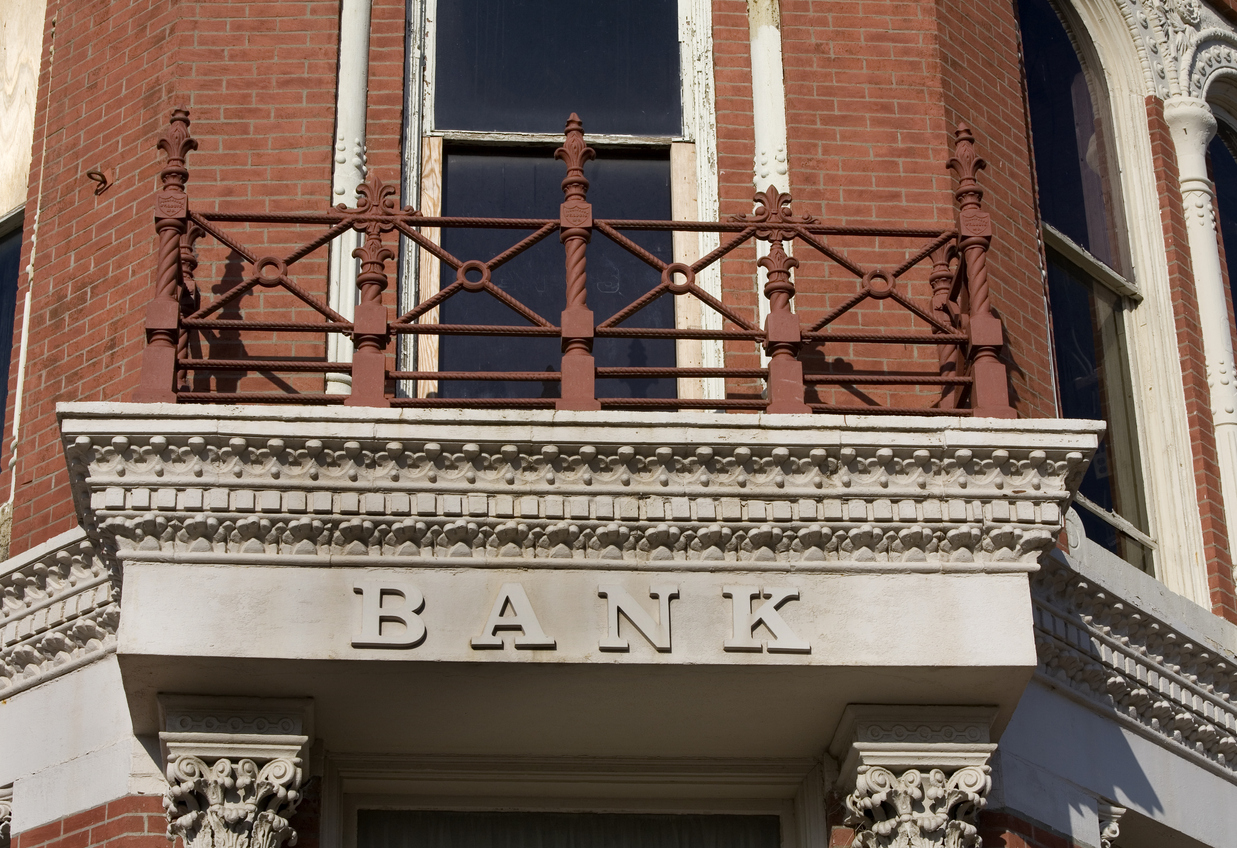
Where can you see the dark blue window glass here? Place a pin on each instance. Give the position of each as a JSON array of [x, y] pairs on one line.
[[525, 65], [10, 267], [518, 183], [1224, 174], [1063, 129]]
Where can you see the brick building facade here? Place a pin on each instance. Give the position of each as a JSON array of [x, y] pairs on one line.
[[329, 581]]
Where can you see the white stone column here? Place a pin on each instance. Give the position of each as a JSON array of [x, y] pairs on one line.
[[234, 768], [914, 776], [1193, 126], [768, 116], [348, 171]]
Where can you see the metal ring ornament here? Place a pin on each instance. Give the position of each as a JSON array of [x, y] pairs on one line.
[[667, 277], [264, 279], [473, 285], [879, 284]]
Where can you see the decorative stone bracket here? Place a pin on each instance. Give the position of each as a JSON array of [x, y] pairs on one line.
[[6, 813], [914, 776], [234, 769]]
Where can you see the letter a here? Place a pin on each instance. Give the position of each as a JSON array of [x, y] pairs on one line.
[[374, 614], [619, 600], [511, 596], [746, 620]]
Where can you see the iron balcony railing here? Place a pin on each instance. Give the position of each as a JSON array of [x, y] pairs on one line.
[[954, 313]]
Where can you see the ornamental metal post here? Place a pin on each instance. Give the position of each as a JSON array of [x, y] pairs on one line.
[[371, 321], [158, 381], [783, 335], [990, 386], [575, 230], [941, 280]]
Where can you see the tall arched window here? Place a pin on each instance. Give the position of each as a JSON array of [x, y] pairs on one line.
[[1087, 296]]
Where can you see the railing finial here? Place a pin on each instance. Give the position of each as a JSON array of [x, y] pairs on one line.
[[990, 389], [159, 365]]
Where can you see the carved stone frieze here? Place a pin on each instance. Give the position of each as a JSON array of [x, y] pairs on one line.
[[914, 776], [1184, 44], [1118, 658], [58, 611], [234, 769], [636, 488]]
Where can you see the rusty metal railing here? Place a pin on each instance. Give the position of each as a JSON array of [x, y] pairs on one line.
[[957, 317]]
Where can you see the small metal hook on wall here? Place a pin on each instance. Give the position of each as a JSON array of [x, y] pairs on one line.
[[98, 176]]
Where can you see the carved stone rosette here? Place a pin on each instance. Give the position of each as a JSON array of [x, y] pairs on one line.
[[915, 776], [234, 770]]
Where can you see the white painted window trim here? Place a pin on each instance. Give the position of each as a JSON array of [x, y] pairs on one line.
[[1114, 59], [793, 790], [423, 180], [1094, 269]]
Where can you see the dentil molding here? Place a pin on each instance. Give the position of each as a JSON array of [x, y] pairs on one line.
[[1123, 661], [914, 776], [58, 611], [335, 486], [234, 768]]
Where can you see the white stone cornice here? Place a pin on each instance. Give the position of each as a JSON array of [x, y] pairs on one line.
[[234, 769], [58, 611], [916, 776], [340, 487], [1116, 657]]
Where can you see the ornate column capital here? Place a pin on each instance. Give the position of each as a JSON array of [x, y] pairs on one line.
[[1193, 126], [234, 769], [914, 777]]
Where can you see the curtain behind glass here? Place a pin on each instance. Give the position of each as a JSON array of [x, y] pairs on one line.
[[436, 829]]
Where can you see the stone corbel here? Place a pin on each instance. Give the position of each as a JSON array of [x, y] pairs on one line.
[[914, 777], [6, 813], [1110, 824], [234, 768]]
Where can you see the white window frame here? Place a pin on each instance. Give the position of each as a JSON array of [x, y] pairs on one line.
[[1115, 68], [693, 178], [1100, 274]]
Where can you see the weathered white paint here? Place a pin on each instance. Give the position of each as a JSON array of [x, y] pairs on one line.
[[348, 172], [315, 613], [21, 45], [700, 128], [69, 746]]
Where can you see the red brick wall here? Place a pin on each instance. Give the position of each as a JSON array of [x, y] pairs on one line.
[[134, 822], [981, 70], [259, 78], [1005, 830]]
